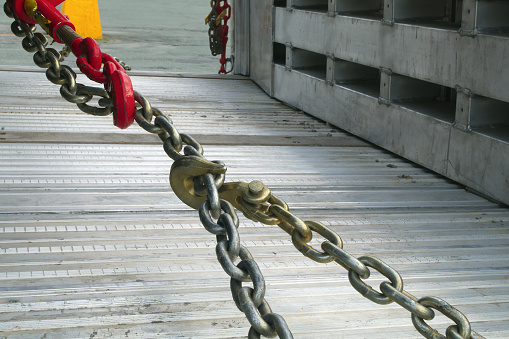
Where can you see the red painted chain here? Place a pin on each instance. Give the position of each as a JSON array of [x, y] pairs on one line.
[[224, 32], [97, 66], [218, 31], [114, 77]]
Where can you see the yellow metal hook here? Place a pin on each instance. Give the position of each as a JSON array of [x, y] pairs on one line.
[[182, 174]]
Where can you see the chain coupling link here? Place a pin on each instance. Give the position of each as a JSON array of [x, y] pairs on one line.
[[368, 291], [250, 198], [462, 329]]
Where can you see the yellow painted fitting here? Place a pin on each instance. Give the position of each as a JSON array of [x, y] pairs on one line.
[[30, 7], [84, 14], [218, 18], [222, 15]]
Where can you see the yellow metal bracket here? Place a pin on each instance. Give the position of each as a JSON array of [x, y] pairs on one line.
[[218, 19]]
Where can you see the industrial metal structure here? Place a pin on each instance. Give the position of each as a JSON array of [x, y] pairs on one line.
[[425, 80], [95, 244]]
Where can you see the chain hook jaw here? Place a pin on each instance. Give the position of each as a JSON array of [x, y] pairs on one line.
[[182, 174], [249, 198], [120, 88]]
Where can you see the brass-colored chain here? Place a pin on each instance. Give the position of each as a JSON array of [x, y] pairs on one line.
[[200, 184], [358, 269]]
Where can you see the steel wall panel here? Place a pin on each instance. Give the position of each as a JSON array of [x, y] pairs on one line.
[[416, 136], [437, 55], [483, 64], [473, 65], [350, 39], [241, 35], [480, 163], [261, 43]]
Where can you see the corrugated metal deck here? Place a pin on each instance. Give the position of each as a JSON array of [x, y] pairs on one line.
[[94, 244]]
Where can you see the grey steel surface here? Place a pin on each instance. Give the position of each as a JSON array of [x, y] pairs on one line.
[[241, 43], [260, 40], [450, 136], [94, 244], [433, 54], [418, 136]]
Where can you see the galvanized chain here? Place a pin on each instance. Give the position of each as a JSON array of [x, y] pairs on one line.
[[200, 184], [123, 64], [249, 300], [57, 73], [358, 269], [272, 210], [65, 52]]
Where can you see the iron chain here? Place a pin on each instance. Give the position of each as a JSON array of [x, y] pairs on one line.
[[57, 73], [228, 249], [275, 211], [270, 210], [215, 29]]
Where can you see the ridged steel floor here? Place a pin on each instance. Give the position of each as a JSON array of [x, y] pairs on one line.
[[94, 244]]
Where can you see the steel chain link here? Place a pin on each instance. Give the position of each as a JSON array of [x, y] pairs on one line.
[[358, 268], [57, 73], [275, 211], [215, 29], [228, 250], [271, 211]]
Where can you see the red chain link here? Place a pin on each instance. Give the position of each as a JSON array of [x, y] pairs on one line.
[[90, 60], [116, 82], [222, 6]]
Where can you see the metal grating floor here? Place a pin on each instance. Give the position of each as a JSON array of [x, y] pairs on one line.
[[95, 245]]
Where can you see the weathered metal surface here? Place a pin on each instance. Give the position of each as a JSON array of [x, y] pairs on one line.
[[419, 137], [260, 51], [94, 243], [450, 59], [423, 104], [241, 36]]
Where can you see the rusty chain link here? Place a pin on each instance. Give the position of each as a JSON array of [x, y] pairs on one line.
[[200, 184]]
